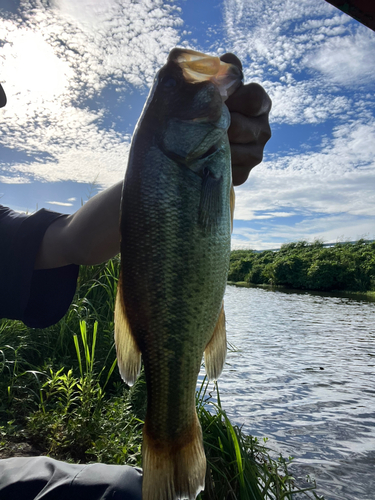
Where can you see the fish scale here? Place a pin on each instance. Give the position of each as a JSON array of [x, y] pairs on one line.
[[175, 246]]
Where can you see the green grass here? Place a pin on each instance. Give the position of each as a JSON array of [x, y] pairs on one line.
[[60, 390]]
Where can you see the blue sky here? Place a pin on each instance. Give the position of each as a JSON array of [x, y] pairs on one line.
[[77, 74]]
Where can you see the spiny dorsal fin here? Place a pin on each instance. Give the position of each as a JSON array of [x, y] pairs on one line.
[[128, 354], [216, 349]]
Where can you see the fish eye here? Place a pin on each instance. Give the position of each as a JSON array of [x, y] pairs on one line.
[[168, 82]]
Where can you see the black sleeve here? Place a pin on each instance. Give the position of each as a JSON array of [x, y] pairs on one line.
[[38, 298]]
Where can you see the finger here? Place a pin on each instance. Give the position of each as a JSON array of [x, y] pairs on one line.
[[240, 175], [250, 100], [231, 59], [245, 130], [244, 159], [246, 156]]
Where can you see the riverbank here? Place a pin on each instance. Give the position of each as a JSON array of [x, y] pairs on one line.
[[369, 294]]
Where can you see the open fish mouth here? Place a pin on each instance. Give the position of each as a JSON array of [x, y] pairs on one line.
[[198, 67]]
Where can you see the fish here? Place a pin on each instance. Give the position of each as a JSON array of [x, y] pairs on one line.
[[176, 217]]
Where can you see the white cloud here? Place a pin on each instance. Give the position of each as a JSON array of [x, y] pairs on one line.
[[332, 190], [303, 53], [60, 203], [99, 166], [31, 66], [116, 40], [274, 33], [307, 191], [299, 102], [16, 178], [340, 227], [346, 60]]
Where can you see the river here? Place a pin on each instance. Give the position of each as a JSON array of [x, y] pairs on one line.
[[304, 376]]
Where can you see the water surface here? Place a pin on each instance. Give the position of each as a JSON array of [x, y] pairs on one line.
[[304, 376]]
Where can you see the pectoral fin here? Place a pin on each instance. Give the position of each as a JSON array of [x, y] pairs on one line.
[[128, 354], [211, 202], [216, 350]]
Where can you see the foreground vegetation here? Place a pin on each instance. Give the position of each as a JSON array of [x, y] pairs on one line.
[[344, 266], [60, 392]]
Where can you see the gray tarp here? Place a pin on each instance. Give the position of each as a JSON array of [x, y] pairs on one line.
[[43, 478]]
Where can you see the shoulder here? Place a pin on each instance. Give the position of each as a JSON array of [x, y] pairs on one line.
[[13, 224], [22, 233], [10, 221], [20, 238]]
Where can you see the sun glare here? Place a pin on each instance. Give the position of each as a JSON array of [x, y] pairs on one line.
[[31, 67]]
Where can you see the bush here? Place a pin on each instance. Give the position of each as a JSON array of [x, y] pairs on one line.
[[327, 275], [255, 276], [239, 269], [290, 271], [301, 265]]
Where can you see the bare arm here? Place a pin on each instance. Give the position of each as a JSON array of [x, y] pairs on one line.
[[89, 236]]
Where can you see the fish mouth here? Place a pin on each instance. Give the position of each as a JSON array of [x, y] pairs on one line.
[[198, 67]]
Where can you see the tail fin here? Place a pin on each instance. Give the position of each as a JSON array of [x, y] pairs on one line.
[[174, 472]]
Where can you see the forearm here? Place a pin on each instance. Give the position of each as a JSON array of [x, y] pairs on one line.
[[89, 236]]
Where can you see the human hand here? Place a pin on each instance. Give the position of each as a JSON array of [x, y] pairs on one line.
[[249, 131]]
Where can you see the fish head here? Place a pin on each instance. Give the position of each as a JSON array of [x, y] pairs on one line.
[[186, 109]]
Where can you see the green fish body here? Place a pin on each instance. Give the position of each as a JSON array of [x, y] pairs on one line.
[[175, 246]]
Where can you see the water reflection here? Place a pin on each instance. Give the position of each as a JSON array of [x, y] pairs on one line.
[[304, 377]]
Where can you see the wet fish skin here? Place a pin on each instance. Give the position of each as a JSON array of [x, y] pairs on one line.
[[175, 227]]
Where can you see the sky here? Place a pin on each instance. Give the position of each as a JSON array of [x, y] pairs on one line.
[[77, 74]]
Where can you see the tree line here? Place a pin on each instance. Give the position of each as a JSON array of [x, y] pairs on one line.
[[310, 266]]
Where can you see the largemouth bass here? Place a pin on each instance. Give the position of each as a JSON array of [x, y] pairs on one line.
[[175, 246]]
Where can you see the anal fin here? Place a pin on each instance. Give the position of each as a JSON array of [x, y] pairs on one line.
[[128, 354], [216, 349]]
